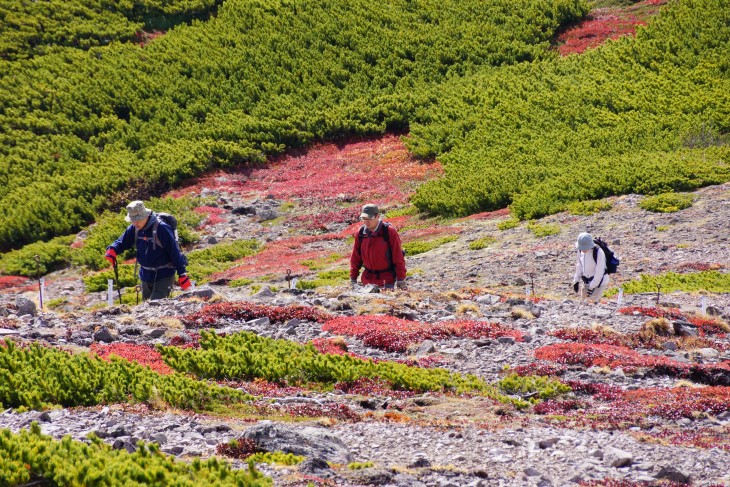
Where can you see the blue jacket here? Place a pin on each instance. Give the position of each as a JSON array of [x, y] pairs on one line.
[[156, 261]]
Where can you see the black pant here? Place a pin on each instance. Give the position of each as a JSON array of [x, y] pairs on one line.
[[160, 289]]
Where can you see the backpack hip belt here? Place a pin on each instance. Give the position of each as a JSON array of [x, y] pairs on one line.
[[377, 273], [155, 269]]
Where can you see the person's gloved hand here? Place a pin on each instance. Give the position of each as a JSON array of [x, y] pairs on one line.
[[111, 256], [576, 285], [589, 292], [184, 282], [401, 285]]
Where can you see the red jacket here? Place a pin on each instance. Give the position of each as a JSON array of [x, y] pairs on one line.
[[373, 254]]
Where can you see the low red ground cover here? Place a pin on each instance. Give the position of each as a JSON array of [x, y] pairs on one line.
[[396, 334], [606, 23], [7, 282], [142, 354], [211, 314], [374, 169]]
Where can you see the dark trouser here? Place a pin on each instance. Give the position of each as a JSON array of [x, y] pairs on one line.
[[160, 289]]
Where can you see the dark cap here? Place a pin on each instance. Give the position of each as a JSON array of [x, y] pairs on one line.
[[369, 211]]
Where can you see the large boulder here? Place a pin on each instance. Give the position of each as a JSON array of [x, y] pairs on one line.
[[309, 441]]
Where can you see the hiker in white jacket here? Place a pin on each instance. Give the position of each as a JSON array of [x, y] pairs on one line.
[[590, 268]]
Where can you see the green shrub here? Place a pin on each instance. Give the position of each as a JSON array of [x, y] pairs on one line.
[[30, 458], [419, 247], [38, 377], [667, 202], [52, 256], [327, 278], [482, 243], [507, 224], [240, 282], [711, 281], [543, 229], [247, 356], [276, 457], [219, 257], [590, 207], [532, 387], [97, 281]]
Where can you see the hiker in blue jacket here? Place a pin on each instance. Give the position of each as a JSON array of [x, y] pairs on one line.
[[590, 268], [158, 252]]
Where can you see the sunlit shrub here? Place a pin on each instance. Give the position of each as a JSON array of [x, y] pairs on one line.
[[667, 202]]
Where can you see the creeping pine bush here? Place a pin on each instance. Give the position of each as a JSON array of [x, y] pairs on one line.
[[533, 387], [247, 356], [419, 247], [590, 207], [30, 458], [39, 377], [667, 202], [712, 281], [543, 229], [482, 243]]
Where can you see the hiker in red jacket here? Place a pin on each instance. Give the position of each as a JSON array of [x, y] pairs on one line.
[[377, 248]]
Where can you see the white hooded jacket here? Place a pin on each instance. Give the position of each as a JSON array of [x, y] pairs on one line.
[[594, 269]]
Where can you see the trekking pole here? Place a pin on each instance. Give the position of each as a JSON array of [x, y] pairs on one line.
[[532, 283], [136, 290], [37, 259], [116, 280]]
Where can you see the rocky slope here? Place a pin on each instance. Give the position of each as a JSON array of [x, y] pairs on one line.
[[431, 439]]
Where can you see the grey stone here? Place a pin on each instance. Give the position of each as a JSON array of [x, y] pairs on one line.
[[547, 443], [6, 332], [373, 476], [506, 340], [672, 474], [264, 321], [203, 292], [265, 292], [426, 346], [103, 335], [309, 441], [669, 346], [155, 333], [25, 307], [613, 457]]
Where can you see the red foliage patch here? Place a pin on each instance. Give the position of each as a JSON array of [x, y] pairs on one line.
[[210, 315], [698, 438], [142, 354], [239, 449], [539, 368], [213, 215], [630, 360], [7, 282], [634, 340], [606, 23], [376, 169], [395, 334], [280, 256]]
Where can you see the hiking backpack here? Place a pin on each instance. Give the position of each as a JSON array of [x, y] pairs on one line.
[[612, 261], [386, 237], [171, 222]]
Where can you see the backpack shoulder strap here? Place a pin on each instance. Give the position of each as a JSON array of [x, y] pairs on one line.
[[595, 254], [386, 233], [155, 240]]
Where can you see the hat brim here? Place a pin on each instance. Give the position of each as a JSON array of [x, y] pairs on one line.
[[577, 246], [142, 217], [365, 215]]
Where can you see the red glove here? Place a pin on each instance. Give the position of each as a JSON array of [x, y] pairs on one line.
[[184, 282], [111, 256]]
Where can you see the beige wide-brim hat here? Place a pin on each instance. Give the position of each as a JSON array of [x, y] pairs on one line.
[[136, 211]]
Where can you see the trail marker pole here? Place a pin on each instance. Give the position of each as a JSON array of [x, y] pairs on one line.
[[110, 292], [37, 259]]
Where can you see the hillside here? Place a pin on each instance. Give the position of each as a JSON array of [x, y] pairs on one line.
[[597, 428], [491, 133]]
